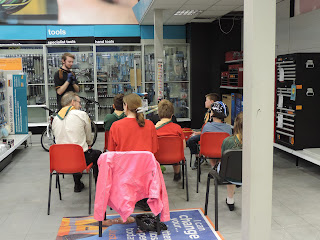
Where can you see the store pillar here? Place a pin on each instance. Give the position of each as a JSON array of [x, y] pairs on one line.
[[158, 53], [259, 67]]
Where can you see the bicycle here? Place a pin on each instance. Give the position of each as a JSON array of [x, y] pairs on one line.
[[47, 137], [94, 128]]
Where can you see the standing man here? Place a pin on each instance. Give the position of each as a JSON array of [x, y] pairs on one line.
[[72, 125], [64, 79]]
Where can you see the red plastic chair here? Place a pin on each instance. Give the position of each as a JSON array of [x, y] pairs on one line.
[[68, 159], [106, 135], [171, 152], [187, 133], [115, 166], [210, 147]]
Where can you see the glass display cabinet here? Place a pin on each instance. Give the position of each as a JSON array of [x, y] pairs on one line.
[[102, 72], [176, 77], [83, 67], [33, 66], [118, 71]]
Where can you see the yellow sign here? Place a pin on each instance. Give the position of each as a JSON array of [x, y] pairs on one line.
[[10, 64], [299, 107]]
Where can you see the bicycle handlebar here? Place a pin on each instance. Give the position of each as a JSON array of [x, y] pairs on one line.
[[48, 109], [89, 100]]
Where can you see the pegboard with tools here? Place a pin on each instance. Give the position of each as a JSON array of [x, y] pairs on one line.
[[176, 87], [118, 71], [33, 67]]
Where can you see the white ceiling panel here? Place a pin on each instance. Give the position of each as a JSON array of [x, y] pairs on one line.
[[213, 13], [239, 9], [200, 2], [204, 20], [221, 8], [161, 5], [230, 2], [178, 20], [169, 12], [211, 9], [172, 1], [194, 7]]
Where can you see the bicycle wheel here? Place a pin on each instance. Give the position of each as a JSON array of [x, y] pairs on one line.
[[47, 139], [94, 131]]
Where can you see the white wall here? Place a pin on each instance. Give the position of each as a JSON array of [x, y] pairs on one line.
[[297, 34]]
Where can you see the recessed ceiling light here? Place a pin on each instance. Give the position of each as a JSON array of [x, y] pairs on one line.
[[187, 12]]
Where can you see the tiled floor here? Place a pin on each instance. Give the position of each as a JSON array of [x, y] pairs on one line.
[[24, 193]]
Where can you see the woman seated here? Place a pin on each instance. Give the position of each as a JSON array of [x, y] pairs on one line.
[[165, 127], [133, 133], [233, 142]]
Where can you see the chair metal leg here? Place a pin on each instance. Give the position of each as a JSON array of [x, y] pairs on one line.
[[186, 174], [216, 203], [100, 228], [190, 159], [90, 182], [207, 196], [198, 177], [199, 167], [58, 181], [182, 174], [49, 197], [63, 175], [158, 224]]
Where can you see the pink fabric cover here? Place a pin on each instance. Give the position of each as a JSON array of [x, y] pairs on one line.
[[127, 177]]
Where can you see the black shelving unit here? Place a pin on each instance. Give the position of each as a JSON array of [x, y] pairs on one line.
[[298, 98]]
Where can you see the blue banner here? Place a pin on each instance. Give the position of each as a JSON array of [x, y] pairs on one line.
[[63, 31], [169, 32], [23, 32], [20, 104], [117, 31]]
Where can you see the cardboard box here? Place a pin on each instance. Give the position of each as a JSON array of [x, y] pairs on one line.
[[226, 98]]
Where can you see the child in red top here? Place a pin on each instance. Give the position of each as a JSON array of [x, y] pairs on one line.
[[165, 127], [133, 133]]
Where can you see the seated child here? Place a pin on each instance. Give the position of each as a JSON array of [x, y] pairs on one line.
[[219, 111], [117, 114], [195, 137], [165, 127], [233, 142]]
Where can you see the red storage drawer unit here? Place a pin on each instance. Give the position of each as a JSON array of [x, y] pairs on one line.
[[224, 78], [233, 55], [235, 75]]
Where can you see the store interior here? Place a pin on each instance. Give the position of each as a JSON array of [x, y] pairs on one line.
[[202, 52]]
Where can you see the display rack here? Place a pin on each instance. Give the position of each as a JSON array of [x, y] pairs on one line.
[[33, 66], [103, 71], [297, 83], [176, 77], [116, 74], [232, 84]]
